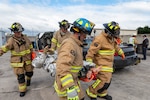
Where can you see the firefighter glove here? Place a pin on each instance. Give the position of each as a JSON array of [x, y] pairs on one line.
[[45, 50], [123, 56], [96, 69], [72, 93], [51, 51]]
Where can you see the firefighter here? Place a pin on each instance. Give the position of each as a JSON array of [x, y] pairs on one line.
[[59, 36], [133, 41], [70, 61], [21, 48], [101, 52]]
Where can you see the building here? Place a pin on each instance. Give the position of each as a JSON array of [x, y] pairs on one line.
[[124, 34], [2, 38]]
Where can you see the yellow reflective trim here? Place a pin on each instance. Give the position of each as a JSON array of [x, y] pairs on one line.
[[58, 45], [4, 49], [13, 26], [89, 60], [111, 27], [22, 53], [116, 27], [109, 24], [63, 93], [75, 69], [79, 83], [120, 52], [31, 46], [28, 62], [87, 25], [59, 93], [66, 80], [22, 88], [91, 94], [17, 64], [96, 83], [80, 22], [77, 88], [52, 49], [102, 95], [63, 23], [106, 69], [106, 52], [20, 64], [54, 40]]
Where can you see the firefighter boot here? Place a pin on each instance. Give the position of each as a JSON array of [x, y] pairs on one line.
[[22, 94], [107, 97], [28, 82]]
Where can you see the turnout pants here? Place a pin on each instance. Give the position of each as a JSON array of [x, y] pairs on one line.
[[80, 92], [23, 74], [100, 86]]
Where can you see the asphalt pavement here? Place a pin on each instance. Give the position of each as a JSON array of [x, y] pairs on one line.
[[130, 83]]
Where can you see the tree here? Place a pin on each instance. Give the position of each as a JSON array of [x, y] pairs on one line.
[[143, 30]]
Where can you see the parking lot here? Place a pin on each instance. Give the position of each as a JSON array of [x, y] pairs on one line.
[[130, 83]]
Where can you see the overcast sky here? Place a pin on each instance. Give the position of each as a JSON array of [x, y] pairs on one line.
[[44, 15]]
